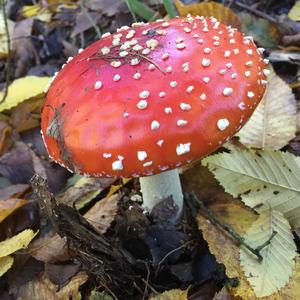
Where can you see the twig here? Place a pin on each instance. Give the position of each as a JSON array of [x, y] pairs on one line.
[[173, 251], [84, 10], [8, 61], [241, 241], [256, 12]]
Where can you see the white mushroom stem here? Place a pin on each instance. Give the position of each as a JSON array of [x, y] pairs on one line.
[[158, 187]]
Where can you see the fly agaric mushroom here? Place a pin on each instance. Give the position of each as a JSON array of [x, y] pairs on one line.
[[150, 98]]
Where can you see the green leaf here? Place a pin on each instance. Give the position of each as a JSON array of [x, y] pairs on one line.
[[274, 122], [169, 8], [141, 9], [263, 179], [273, 273]]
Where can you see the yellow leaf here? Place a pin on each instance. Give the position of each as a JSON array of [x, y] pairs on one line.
[[209, 9], [294, 13], [23, 89], [36, 11], [17, 242], [5, 264], [263, 179], [224, 248], [273, 272], [115, 188], [175, 294], [3, 37], [274, 122]]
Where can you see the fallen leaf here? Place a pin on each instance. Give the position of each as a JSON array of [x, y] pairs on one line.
[[209, 9], [95, 295], [42, 288], [83, 189], [114, 188], [14, 191], [27, 115], [5, 134], [23, 48], [227, 252], [40, 13], [16, 165], [222, 295], [175, 294], [17, 242], [278, 257], [294, 13], [3, 37], [264, 33], [102, 214], [50, 248], [263, 179], [109, 8], [24, 89], [274, 122], [8, 206], [6, 263]]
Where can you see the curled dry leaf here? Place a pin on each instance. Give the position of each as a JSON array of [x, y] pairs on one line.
[[5, 264], [273, 273], [263, 179], [208, 9], [273, 123], [24, 89]]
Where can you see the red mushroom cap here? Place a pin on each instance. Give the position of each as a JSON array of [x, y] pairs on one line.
[[152, 97]]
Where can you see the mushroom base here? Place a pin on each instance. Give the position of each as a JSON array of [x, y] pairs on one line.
[[161, 186]]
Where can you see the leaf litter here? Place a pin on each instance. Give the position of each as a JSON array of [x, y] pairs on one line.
[[93, 231]]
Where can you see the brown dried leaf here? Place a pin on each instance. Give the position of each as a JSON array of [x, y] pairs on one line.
[[84, 190], [27, 115], [102, 214], [22, 47], [50, 248], [208, 9], [5, 134], [8, 206], [223, 295], [13, 191], [42, 288]]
